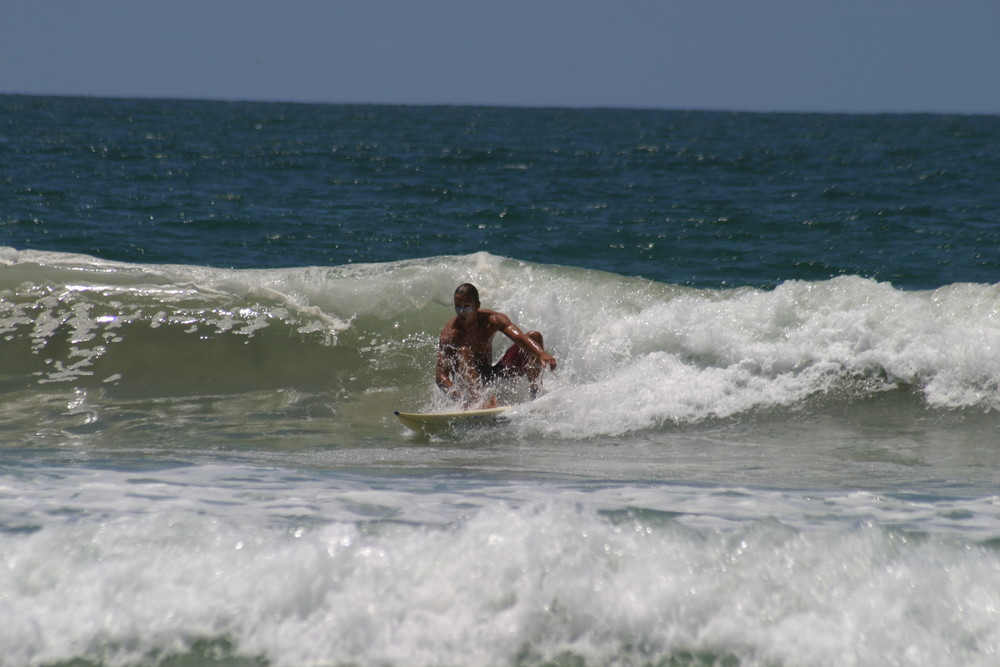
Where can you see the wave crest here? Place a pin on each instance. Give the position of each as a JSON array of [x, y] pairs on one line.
[[633, 353]]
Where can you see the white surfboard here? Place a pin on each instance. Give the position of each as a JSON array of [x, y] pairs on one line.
[[435, 422]]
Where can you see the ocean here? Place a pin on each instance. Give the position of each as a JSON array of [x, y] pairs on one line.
[[771, 440]]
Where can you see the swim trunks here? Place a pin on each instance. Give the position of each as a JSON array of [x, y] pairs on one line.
[[514, 362]]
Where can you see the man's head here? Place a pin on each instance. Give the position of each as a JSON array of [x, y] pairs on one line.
[[466, 300]]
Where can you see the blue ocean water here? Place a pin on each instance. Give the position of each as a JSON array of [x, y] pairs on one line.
[[771, 440], [691, 198]]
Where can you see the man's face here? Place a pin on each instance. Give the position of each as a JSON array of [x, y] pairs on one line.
[[465, 307]]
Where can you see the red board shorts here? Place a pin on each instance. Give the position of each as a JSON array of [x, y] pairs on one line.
[[514, 362]]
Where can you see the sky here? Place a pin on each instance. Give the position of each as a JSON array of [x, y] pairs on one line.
[[868, 56]]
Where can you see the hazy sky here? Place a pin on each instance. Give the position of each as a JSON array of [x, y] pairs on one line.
[[789, 55]]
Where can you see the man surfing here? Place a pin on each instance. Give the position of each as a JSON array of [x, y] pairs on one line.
[[465, 367]]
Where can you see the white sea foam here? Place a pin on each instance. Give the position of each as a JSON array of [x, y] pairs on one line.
[[116, 567], [696, 354]]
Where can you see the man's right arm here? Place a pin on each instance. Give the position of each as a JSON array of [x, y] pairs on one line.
[[442, 375], [446, 358]]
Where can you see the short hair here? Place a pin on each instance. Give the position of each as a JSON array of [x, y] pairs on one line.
[[468, 290]]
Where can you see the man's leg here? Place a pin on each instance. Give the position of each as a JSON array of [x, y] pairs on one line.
[[516, 361]]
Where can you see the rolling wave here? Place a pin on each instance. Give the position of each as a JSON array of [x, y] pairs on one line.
[[667, 354]]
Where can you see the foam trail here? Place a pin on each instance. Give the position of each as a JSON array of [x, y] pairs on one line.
[[689, 355]]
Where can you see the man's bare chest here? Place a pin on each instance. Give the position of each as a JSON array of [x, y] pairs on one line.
[[474, 338]]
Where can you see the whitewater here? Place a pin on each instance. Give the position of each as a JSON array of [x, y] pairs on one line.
[[203, 462]]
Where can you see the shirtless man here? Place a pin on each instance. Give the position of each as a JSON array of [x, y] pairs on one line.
[[465, 352]]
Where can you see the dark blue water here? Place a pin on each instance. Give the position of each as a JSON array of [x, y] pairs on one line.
[[693, 198]]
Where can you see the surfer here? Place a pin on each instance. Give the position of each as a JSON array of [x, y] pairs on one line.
[[465, 365]]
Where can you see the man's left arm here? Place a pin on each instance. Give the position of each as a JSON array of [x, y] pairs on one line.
[[512, 331]]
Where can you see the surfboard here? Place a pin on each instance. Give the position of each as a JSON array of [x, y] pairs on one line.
[[435, 422]]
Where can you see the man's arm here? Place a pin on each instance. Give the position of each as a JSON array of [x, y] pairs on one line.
[[456, 363], [443, 375], [526, 343], [445, 360]]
